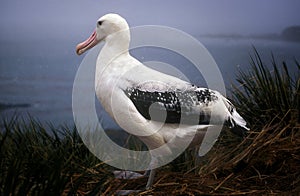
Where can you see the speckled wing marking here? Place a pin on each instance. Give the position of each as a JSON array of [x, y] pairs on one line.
[[179, 106]]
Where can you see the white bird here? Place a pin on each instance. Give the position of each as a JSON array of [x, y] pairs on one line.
[[148, 103]]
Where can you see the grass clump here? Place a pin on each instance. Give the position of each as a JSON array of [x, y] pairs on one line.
[[268, 95], [39, 161]]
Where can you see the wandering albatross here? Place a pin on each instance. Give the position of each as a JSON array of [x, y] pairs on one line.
[[141, 99]]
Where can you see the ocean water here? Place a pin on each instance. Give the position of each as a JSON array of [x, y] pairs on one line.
[[36, 76]]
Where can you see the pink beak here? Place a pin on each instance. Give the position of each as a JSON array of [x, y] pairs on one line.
[[87, 44]]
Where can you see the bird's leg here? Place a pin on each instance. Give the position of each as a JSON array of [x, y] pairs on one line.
[[196, 156], [152, 164], [150, 179], [147, 173]]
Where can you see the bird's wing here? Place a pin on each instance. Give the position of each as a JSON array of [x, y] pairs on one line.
[[164, 102]]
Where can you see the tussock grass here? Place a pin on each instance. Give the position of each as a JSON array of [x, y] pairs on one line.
[[52, 161], [268, 92]]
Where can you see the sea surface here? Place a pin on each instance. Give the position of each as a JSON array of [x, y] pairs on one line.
[[36, 76]]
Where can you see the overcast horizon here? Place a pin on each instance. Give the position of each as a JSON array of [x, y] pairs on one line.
[[38, 38], [33, 18]]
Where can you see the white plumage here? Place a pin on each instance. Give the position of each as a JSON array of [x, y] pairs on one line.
[[148, 103]]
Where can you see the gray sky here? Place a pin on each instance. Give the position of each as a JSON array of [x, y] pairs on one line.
[[72, 17]]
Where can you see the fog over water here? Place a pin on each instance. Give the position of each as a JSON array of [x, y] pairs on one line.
[[38, 38], [72, 17]]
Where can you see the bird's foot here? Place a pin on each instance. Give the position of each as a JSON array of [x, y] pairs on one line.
[[127, 174]]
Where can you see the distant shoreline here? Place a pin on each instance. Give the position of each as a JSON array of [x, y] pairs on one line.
[[290, 34], [272, 37], [5, 106]]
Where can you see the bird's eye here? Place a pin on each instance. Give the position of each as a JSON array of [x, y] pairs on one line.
[[100, 23]]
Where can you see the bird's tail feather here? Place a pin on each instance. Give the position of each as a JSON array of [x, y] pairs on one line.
[[236, 122], [238, 119], [239, 124]]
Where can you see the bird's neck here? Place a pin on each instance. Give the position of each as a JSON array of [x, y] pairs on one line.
[[115, 48], [116, 44]]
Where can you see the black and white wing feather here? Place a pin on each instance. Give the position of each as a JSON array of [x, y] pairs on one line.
[[189, 106]]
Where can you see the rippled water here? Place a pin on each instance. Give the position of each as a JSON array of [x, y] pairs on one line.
[[36, 77]]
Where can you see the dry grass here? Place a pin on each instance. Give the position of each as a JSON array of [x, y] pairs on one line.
[[265, 162]]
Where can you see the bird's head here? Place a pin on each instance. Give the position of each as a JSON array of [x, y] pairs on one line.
[[107, 25]]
